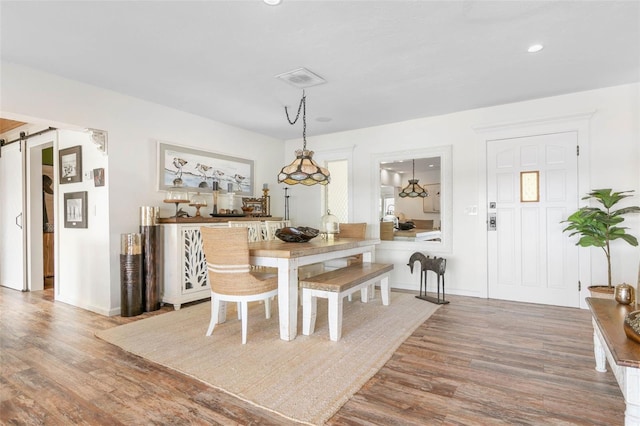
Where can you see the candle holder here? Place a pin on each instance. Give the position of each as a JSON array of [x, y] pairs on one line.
[[215, 202], [286, 203], [266, 202]]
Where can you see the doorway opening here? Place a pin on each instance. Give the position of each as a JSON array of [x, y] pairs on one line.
[[48, 218]]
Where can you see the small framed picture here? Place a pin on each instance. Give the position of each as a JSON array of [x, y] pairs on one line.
[[256, 203], [98, 177], [75, 209], [71, 164]]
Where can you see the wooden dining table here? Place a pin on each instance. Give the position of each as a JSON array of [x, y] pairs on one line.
[[288, 257]]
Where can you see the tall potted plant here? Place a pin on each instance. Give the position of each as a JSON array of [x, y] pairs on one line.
[[598, 226]]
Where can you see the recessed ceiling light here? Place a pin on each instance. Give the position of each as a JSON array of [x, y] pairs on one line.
[[535, 48], [323, 119], [272, 2]]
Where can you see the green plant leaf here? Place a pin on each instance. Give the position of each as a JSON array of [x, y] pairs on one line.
[[597, 226]]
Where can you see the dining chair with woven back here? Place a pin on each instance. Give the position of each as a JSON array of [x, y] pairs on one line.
[[347, 230], [231, 278]]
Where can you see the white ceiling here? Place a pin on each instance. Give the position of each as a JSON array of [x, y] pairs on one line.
[[407, 166], [384, 61]]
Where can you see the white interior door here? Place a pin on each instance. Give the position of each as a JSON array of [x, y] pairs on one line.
[[12, 217], [530, 259]]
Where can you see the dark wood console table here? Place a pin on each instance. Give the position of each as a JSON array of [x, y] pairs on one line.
[[610, 343]]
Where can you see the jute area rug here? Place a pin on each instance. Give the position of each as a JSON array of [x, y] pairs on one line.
[[306, 380]]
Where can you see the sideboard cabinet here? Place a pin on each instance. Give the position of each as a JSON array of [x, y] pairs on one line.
[[185, 278]]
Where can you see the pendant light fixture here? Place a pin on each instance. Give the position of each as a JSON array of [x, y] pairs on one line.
[[303, 169], [413, 190]]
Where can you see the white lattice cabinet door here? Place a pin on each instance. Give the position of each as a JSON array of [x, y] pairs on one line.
[[185, 277]]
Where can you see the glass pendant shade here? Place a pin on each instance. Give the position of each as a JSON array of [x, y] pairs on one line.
[[304, 170], [413, 190]]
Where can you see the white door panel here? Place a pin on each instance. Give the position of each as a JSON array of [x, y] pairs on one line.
[[12, 218], [530, 259]]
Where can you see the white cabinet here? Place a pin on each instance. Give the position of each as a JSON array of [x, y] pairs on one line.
[[185, 277]]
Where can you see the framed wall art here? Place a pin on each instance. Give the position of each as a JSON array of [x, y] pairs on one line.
[[70, 164], [98, 177], [197, 170], [75, 209], [256, 203], [431, 204]]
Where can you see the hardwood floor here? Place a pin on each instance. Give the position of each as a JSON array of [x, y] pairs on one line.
[[474, 362]]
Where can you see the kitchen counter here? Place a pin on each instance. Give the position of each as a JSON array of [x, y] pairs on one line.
[[417, 234]]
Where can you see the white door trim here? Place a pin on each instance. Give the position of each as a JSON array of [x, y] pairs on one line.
[[323, 157], [33, 196], [578, 122]]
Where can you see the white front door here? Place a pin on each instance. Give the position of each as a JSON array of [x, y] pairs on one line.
[[530, 259], [12, 217]]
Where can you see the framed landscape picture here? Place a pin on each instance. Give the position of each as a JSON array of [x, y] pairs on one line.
[[70, 164], [197, 170]]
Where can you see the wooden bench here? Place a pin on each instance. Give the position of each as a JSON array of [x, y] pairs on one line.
[[334, 286]]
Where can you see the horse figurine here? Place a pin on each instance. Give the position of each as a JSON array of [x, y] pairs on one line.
[[435, 264]]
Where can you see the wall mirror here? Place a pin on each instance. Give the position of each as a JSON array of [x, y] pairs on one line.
[[412, 220]]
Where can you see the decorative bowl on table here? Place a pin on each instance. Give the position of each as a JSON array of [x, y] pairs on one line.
[[632, 326], [301, 234]]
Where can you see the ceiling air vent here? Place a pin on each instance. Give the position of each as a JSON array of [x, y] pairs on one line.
[[301, 78]]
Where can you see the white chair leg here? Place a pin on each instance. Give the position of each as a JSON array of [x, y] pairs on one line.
[[267, 308], [309, 309], [238, 308], [245, 314], [212, 322], [364, 294], [222, 312], [335, 317], [372, 291], [350, 298], [385, 291], [214, 315]]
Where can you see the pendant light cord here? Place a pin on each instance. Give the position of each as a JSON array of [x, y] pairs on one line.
[[302, 107]]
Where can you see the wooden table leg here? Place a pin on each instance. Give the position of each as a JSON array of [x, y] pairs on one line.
[[288, 298]]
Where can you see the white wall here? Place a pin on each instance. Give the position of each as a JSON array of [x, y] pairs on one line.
[[614, 161], [133, 125], [83, 264]]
